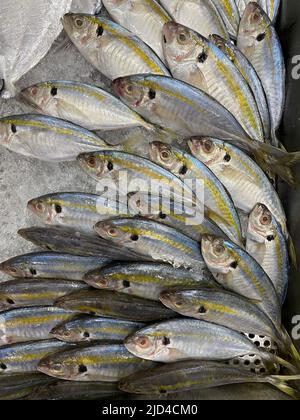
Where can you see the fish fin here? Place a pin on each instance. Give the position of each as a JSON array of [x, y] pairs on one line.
[[292, 368], [290, 346], [292, 251], [280, 382]]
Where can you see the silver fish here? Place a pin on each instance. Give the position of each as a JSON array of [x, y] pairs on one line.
[[267, 244], [230, 15], [82, 104], [111, 49], [145, 18], [19, 386], [271, 7], [47, 138]]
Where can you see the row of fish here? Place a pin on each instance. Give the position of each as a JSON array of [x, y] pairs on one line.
[[156, 294]]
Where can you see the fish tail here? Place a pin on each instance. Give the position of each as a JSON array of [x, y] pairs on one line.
[[292, 251], [291, 367], [280, 161], [280, 382]]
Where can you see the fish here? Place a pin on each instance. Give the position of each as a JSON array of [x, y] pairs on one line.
[[145, 280], [78, 210], [74, 391], [27, 35], [184, 339], [144, 18], [196, 60], [230, 15], [249, 74], [245, 181], [47, 138], [224, 308], [110, 48], [92, 363], [19, 386], [61, 239], [104, 303], [153, 241], [24, 357], [169, 212], [237, 271], [192, 375], [201, 15], [127, 172], [181, 108], [30, 324], [82, 104], [271, 7], [259, 42], [218, 204], [31, 292], [91, 328], [267, 244], [51, 265]]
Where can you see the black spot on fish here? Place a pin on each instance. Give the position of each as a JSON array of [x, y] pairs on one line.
[[152, 94], [110, 166], [202, 310], [165, 40], [234, 264], [166, 341], [54, 91], [227, 158], [183, 170], [86, 334], [10, 301], [162, 216], [100, 31], [126, 284], [13, 128], [134, 238], [3, 366], [162, 391], [202, 57], [271, 238], [58, 209], [33, 272], [260, 37], [82, 369]]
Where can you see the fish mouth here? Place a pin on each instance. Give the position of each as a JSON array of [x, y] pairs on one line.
[[169, 31]]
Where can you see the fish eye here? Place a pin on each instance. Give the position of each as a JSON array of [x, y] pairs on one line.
[[40, 207], [57, 367], [179, 302], [13, 270], [129, 89], [34, 91], [143, 342], [202, 57], [13, 128], [261, 37], [112, 232], [110, 166], [134, 237], [165, 155], [152, 94], [100, 30], [183, 37], [219, 249], [79, 23], [266, 220], [58, 209], [91, 161], [54, 91], [103, 282]]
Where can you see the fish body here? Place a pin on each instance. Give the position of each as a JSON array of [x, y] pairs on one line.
[[85, 105], [196, 60], [248, 72], [31, 292], [184, 339], [51, 265], [29, 324], [144, 18], [271, 7], [88, 328], [93, 363], [146, 280], [111, 49], [200, 15], [245, 181], [24, 357], [103, 303], [259, 42], [240, 273], [230, 15], [61, 239], [19, 386], [267, 244], [79, 210], [191, 376], [218, 203], [47, 138], [153, 241]]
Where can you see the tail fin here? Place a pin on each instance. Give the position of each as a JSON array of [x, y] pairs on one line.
[[280, 382]]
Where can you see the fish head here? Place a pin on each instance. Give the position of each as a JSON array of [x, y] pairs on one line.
[[150, 346], [225, 46], [8, 131], [100, 280], [254, 27], [42, 97], [6, 302], [167, 157], [48, 209], [139, 203], [132, 91], [261, 224], [61, 366], [96, 164], [83, 29], [18, 268], [177, 301], [115, 232], [208, 151], [69, 335], [180, 43], [217, 255]]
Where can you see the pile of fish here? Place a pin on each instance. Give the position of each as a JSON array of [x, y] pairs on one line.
[[176, 290]]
